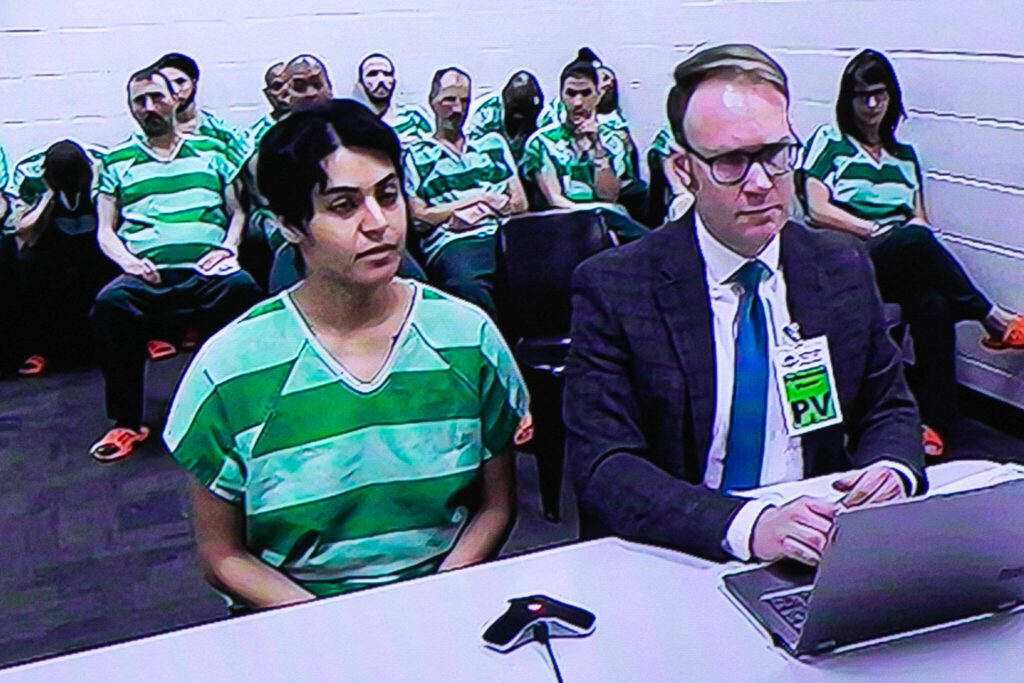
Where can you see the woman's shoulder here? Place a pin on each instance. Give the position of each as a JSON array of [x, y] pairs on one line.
[[265, 335], [445, 320]]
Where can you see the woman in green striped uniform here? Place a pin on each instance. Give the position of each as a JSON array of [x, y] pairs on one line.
[[356, 429], [862, 181]]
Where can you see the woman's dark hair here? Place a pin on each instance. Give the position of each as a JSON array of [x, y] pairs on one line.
[[288, 168], [584, 66], [870, 68], [66, 168], [182, 63]]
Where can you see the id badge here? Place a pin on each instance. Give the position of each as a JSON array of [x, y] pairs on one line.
[[806, 384]]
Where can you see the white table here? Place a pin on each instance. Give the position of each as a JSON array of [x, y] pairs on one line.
[[661, 616]]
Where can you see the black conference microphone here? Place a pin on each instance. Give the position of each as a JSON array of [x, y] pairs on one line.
[[539, 618]]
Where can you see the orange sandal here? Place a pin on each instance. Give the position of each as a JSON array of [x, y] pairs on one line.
[[33, 366], [934, 447], [1013, 338], [159, 349], [117, 444]]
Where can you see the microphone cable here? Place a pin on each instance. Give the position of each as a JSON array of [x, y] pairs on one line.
[[541, 634]]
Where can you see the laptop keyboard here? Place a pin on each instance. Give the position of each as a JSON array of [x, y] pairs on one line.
[[792, 607]]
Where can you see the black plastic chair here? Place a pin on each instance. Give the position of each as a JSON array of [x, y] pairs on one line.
[[537, 254]]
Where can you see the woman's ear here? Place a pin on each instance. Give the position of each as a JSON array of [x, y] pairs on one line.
[[291, 234]]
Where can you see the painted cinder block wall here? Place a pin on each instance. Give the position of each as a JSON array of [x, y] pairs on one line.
[[63, 67]]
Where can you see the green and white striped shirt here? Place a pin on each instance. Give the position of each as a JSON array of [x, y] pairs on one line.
[[487, 115], [556, 112], [347, 484], [553, 145], [883, 190], [236, 142], [411, 123], [664, 143], [254, 133], [4, 174], [172, 212], [6, 223], [435, 173], [27, 185]]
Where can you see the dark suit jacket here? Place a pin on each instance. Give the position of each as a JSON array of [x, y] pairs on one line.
[[640, 382]]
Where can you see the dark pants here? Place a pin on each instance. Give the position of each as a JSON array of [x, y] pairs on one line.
[[465, 268], [129, 311], [59, 277], [10, 310], [915, 271]]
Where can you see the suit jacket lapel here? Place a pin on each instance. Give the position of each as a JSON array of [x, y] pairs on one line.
[[805, 293], [682, 298], [809, 305]]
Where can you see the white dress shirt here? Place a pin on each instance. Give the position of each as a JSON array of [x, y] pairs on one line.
[[783, 454]]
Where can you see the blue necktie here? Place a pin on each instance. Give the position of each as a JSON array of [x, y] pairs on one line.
[[744, 449]]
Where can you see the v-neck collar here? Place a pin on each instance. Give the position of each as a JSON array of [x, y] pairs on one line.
[[336, 366], [144, 144], [877, 163]]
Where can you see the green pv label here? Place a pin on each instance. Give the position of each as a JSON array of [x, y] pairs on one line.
[[809, 394]]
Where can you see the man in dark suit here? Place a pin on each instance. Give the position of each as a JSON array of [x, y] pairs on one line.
[[671, 405]]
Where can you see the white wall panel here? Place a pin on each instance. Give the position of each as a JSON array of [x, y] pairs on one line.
[[63, 67]]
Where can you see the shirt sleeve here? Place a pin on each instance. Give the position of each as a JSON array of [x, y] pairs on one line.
[[504, 400], [508, 159], [106, 180], [229, 163], [412, 174], [533, 157], [820, 152], [741, 530], [4, 177], [199, 436]]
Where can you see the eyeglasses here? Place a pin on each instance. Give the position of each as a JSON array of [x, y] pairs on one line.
[[731, 168]]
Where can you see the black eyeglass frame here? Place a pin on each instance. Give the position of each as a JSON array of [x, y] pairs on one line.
[[759, 155]]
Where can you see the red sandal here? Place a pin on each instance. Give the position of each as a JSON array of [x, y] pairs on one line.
[[934, 447], [159, 349], [117, 444], [1013, 338], [33, 366]]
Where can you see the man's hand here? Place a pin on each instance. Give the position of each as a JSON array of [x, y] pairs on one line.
[[588, 128], [142, 268], [469, 217], [874, 484], [209, 263], [798, 530]]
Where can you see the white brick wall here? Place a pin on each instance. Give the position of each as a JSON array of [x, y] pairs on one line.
[[63, 67]]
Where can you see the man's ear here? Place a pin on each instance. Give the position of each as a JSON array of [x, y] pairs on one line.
[[680, 167]]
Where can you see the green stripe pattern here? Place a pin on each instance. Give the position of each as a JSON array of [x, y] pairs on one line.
[[26, 185], [553, 146], [172, 212], [437, 175], [664, 143], [5, 182], [884, 190], [236, 142], [254, 133], [411, 123], [556, 112], [346, 484], [487, 115]]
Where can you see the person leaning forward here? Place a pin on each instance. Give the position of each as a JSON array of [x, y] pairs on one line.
[[671, 406]]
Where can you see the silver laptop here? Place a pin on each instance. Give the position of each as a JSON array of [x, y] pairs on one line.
[[895, 568]]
